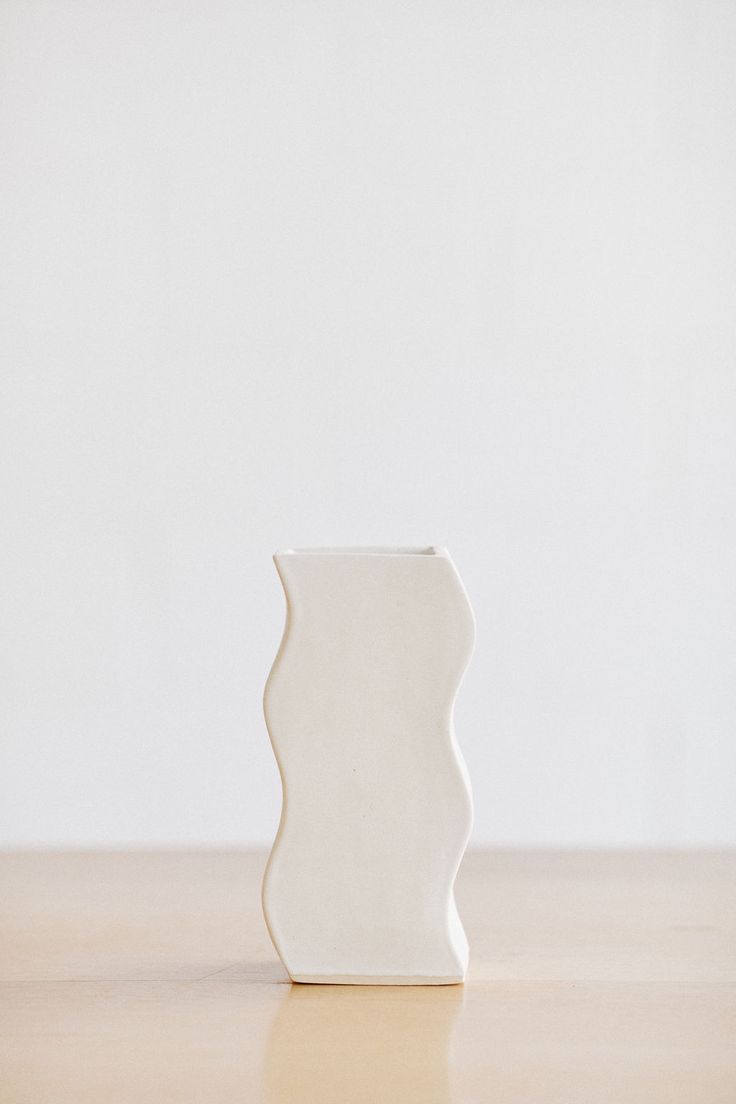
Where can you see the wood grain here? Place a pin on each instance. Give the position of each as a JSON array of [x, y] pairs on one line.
[[142, 977]]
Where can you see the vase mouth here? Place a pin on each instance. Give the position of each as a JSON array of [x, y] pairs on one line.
[[367, 550]]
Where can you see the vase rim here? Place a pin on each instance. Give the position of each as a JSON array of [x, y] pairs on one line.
[[367, 550]]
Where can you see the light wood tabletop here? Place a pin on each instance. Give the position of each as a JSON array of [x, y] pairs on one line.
[[130, 978]]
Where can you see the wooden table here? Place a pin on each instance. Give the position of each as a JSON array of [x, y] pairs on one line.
[[149, 977]]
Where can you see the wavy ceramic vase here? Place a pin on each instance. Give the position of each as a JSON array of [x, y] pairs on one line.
[[376, 798]]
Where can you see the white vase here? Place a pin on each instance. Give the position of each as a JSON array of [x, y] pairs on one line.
[[376, 798]]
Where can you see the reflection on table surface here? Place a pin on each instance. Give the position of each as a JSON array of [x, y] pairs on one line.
[[358, 1044]]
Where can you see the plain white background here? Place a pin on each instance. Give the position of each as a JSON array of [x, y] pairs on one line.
[[304, 273]]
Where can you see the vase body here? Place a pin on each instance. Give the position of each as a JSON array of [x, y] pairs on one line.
[[376, 800]]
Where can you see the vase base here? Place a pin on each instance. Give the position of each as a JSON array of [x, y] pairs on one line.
[[379, 979]]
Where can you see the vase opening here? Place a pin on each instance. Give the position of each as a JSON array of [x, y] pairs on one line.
[[371, 550]]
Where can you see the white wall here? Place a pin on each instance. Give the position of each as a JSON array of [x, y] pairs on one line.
[[340, 273]]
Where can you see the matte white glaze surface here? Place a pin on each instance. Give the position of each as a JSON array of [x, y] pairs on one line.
[[376, 799]]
